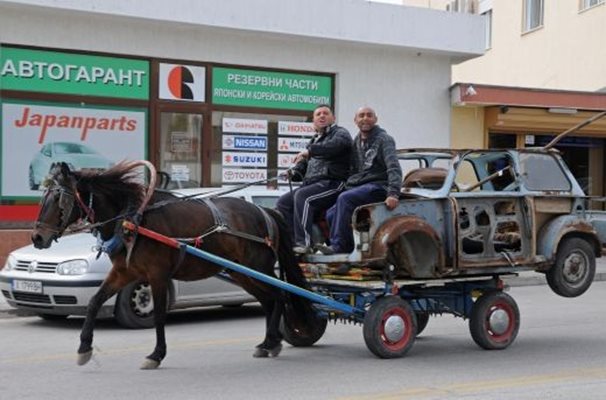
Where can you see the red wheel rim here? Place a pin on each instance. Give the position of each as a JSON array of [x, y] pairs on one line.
[[400, 343], [496, 336]]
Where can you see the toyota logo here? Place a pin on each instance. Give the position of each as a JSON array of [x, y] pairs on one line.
[[32, 266]]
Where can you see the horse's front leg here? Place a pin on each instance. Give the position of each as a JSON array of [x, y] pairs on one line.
[[160, 295], [115, 281]]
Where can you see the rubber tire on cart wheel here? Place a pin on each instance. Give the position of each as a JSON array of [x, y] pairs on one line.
[[574, 268], [296, 339], [390, 327], [494, 321], [422, 320], [135, 306]]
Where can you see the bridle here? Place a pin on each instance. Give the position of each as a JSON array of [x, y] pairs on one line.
[[67, 199]]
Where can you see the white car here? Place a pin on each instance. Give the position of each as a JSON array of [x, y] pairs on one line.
[[60, 281]]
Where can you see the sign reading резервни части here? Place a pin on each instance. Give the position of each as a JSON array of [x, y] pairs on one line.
[[70, 73], [282, 90]]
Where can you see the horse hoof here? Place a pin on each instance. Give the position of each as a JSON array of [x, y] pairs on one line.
[[83, 358], [150, 364], [260, 353]]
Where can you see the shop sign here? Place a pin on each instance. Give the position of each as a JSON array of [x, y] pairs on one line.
[[241, 125], [77, 74], [269, 89], [182, 82], [35, 136], [243, 159], [233, 142], [286, 160], [179, 173], [296, 128], [292, 144], [241, 175]]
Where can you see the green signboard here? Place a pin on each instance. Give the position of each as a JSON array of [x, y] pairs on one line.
[[252, 88], [68, 73]]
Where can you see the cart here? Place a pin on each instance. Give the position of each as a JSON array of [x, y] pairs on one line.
[[393, 312]]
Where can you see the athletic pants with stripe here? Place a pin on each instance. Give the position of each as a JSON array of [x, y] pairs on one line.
[[303, 204]]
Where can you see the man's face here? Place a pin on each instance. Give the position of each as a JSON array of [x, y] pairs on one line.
[[323, 117], [365, 119]]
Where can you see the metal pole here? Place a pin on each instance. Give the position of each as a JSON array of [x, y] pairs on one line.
[[573, 129]]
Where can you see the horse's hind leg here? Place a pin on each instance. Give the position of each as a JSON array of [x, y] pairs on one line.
[[272, 345], [160, 294]]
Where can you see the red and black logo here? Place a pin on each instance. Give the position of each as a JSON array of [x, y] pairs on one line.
[[180, 82]]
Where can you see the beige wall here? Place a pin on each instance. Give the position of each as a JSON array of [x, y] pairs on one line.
[[567, 53], [467, 127]]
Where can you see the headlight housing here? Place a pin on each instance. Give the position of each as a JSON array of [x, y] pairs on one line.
[[72, 267], [11, 262]]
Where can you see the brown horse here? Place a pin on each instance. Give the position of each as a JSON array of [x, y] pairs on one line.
[[249, 235]]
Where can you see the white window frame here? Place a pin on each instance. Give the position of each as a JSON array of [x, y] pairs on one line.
[[587, 4], [488, 29], [533, 15]]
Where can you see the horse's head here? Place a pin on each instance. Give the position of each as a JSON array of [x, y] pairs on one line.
[[58, 206]]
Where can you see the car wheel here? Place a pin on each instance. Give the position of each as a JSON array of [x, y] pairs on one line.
[[390, 327], [52, 317], [495, 321], [574, 268], [32, 184], [135, 306]]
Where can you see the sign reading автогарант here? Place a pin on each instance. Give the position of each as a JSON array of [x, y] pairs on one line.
[[69, 73], [253, 88]]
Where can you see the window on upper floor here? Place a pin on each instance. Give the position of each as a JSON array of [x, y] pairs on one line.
[[533, 15], [585, 4], [488, 28]]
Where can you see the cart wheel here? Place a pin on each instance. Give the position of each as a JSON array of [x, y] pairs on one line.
[[299, 339], [390, 326], [494, 321], [422, 320], [574, 268]]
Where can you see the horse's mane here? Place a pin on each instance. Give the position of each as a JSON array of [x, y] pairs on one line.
[[120, 181]]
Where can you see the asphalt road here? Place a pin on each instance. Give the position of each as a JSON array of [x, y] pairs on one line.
[[558, 354]]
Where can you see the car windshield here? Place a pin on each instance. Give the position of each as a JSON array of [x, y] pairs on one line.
[[72, 148]]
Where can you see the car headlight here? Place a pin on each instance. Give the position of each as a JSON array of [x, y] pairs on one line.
[[73, 267], [10, 263]]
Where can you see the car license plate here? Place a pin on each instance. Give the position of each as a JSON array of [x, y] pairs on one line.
[[27, 286]]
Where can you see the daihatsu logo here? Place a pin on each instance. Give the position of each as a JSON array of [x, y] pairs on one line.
[[32, 266]]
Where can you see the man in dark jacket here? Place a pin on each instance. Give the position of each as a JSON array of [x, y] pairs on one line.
[[376, 176], [323, 167]]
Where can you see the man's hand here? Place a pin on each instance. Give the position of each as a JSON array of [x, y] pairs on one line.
[[302, 156], [391, 202], [286, 175]]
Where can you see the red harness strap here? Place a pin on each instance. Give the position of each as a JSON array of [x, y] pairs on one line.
[[151, 234]]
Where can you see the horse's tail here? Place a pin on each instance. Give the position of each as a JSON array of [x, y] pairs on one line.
[[299, 313]]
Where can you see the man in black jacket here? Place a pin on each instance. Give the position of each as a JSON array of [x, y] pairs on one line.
[[376, 176], [323, 167]]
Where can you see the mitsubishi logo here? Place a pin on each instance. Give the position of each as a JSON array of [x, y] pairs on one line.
[[32, 266]]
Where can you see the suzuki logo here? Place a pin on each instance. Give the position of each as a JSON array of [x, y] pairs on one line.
[[32, 266]]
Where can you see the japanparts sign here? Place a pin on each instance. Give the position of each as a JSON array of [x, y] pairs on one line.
[[296, 128], [233, 142], [69, 73], [241, 125], [182, 82], [35, 136], [253, 88]]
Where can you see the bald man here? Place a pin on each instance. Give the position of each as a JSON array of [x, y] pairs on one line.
[[376, 176]]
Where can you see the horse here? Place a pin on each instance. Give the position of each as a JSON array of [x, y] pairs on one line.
[[250, 235]]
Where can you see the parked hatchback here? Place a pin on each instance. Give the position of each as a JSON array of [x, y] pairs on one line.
[[60, 281]]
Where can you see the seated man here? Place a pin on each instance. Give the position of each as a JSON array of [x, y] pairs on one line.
[[323, 168], [376, 176]]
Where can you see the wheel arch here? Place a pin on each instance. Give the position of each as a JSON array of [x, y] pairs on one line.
[[564, 227]]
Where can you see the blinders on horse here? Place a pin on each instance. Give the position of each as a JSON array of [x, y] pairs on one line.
[[65, 199]]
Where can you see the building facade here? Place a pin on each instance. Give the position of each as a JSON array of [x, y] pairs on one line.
[[213, 93]]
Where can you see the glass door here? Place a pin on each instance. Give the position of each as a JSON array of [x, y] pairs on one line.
[[180, 149]]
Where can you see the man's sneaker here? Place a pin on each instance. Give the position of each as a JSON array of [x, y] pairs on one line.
[[302, 250], [326, 250]]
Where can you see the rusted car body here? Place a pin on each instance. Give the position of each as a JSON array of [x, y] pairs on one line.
[[482, 212]]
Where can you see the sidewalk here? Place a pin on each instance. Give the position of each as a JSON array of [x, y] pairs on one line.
[[527, 278]]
